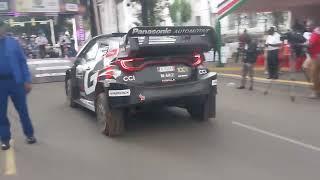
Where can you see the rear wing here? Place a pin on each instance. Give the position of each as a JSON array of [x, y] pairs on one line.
[[180, 38]]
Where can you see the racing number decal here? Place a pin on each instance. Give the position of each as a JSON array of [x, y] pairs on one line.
[[90, 82], [90, 79]]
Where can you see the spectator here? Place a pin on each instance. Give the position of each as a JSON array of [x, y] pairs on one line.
[[249, 60], [314, 50], [244, 38], [42, 42], [273, 44]]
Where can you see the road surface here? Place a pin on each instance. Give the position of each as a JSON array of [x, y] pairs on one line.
[[253, 137]]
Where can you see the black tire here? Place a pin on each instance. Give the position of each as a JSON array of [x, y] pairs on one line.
[[111, 122], [203, 110], [70, 94]]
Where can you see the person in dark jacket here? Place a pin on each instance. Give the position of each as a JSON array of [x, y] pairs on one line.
[[250, 56], [15, 82]]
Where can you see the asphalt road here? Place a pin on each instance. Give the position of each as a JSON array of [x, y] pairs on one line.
[[253, 137]]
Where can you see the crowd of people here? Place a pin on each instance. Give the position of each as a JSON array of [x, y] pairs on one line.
[[302, 41], [37, 46]]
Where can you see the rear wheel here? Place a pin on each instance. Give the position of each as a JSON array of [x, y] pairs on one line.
[[70, 94], [110, 121], [203, 110]]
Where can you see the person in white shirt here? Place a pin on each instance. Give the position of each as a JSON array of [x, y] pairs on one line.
[[41, 42], [273, 44]]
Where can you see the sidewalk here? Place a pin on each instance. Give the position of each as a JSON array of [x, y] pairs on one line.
[[234, 70]]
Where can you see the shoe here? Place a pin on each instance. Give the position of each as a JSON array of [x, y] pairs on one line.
[[31, 140], [269, 77], [241, 87], [5, 146], [250, 88]]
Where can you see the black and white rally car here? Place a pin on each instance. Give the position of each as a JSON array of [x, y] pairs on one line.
[[117, 73]]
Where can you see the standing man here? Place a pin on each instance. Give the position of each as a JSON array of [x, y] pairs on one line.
[[42, 42], [249, 60], [273, 44], [15, 82], [244, 38]]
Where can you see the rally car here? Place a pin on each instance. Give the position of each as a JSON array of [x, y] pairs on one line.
[[117, 73]]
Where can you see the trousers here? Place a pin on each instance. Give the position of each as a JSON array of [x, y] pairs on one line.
[[315, 74], [273, 64], [247, 69], [17, 93]]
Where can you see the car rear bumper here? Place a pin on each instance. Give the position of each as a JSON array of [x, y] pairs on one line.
[[124, 95]]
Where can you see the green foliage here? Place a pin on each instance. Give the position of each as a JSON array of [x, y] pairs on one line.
[[151, 11], [180, 11]]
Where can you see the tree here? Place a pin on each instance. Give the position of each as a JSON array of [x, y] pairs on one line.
[[151, 11], [180, 12]]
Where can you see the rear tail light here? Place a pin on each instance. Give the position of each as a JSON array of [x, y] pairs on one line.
[[198, 60], [131, 64]]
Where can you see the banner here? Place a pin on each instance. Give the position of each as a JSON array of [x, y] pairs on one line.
[[228, 6], [71, 5], [4, 6], [37, 6], [81, 33]]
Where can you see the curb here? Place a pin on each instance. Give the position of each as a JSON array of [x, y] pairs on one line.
[[267, 81]]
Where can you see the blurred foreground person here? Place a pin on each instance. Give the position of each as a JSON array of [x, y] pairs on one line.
[[15, 82], [314, 50], [249, 61]]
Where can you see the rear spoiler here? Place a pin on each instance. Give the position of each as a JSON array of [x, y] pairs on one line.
[[206, 31]]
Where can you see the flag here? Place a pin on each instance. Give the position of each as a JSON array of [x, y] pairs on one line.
[[226, 7]]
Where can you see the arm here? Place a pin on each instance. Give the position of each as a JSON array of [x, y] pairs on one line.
[[23, 64]]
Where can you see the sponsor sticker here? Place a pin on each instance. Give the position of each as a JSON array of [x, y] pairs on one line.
[[119, 93], [214, 82], [182, 69], [203, 71], [168, 80], [141, 97], [167, 75], [129, 78], [166, 69], [182, 75]]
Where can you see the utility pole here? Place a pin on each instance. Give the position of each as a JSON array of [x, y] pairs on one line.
[[95, 16]]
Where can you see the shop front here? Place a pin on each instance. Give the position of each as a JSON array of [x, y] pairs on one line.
[[59, 21]]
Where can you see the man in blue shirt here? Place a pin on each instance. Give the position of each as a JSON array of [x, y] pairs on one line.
[[15, 82]]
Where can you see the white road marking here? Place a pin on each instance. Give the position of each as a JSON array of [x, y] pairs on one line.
[[293, 141], [10, 168], [47, 62], [52, 68], [50, 74]]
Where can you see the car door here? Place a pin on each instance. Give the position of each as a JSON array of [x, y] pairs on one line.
[[93, 58]]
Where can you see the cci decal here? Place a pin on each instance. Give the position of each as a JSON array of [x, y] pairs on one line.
[[129, 78]]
